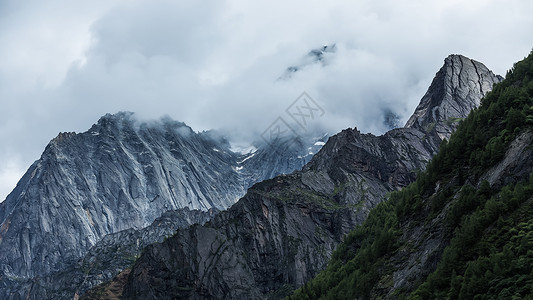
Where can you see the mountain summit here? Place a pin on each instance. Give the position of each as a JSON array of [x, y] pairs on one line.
[[456, 89]]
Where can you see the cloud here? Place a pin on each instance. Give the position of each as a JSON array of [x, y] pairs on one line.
[[215, 64]]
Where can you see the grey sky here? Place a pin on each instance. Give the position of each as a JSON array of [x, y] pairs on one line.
[[214, 64]]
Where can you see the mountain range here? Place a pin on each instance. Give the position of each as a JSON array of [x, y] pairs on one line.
[[284, 230], [122, 174], [105, 194]]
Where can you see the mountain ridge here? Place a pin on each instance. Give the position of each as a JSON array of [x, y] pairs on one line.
[[288, 225]]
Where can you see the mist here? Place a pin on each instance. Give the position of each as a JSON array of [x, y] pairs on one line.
[[220, 64]]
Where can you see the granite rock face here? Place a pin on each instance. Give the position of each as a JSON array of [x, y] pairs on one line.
[[457, 89], [110, 256], [283, 231], [121, 174]]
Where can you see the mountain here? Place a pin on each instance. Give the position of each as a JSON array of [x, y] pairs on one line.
[[448, 102], [283, 156], [119, 175], [463, 230], [319, 55], [284, 230]]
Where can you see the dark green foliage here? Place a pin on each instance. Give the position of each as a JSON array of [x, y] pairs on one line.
[[491, 248], [470, 263]]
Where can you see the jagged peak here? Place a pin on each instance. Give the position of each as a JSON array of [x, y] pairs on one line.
[[64, 135], [116, 118], [452, 59], [170, 123], [455, 57], [456, 89], [121, 115], [111, 122]]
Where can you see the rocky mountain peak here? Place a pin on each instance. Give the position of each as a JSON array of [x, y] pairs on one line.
[[63, 135], [456, 89], [113, 121], [320, 55]]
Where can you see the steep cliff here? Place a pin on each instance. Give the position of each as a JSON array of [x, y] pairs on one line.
[[283, 231], [110, 256]]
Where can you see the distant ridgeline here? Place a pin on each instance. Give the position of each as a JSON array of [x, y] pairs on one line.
[[464, 229]]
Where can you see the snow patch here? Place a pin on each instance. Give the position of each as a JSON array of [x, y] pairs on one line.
[[246, 158], [320, 144]]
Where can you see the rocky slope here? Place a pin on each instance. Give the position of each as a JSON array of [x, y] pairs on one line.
[[283, 156], [283, 231], [121, 174], [427, 241], [105, 260], [117, 251]]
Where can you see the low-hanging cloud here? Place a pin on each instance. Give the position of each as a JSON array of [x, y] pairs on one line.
[[216, 64]]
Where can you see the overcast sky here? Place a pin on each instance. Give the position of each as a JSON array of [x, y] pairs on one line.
[[215, 64]]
